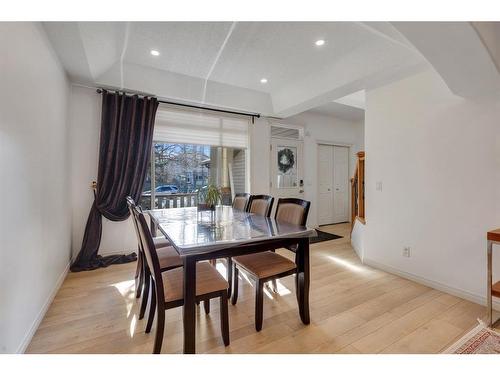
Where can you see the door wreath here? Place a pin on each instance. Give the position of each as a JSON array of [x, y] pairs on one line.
[[286, 160]]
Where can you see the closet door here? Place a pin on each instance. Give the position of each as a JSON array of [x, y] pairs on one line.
[[325, 185], [341, 184]]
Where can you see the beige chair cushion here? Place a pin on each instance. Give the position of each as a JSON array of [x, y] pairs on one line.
[[168, 257], [266, 264], [208, 280], [239, 203], [259, 207], [290, 213]]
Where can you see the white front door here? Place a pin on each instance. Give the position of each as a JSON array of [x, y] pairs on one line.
[[341, 184], [286, 169], [325, 184]]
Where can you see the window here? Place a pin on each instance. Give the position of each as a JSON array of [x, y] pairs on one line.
[[191, 150], [176, 125]]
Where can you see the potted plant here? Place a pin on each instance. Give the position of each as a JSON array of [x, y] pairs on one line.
[[209, 197]]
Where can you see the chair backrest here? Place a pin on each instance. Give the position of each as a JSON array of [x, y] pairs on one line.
[[260, 205], [149, 249], [292, 210], [240, 201], [131, 206]]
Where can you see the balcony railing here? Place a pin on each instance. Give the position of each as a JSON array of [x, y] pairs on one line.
[[170, 200]]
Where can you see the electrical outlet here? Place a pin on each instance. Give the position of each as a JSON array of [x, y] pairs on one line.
[[406, 251]]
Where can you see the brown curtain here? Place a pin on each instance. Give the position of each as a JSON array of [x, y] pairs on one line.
[[125, 147]]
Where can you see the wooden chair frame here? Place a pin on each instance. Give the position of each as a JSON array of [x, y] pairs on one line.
[[267, 198], [242, 195], [260, 282], [142, 273], [158, 302], [251, 198]]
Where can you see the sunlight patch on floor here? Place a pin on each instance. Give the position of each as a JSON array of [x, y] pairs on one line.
[[344, 263], [221, 267], [268, 294], [133, 323], [282, 289], [244, 276], [126, 289]]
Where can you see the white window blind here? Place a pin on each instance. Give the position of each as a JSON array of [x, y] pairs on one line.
[[178, 125]]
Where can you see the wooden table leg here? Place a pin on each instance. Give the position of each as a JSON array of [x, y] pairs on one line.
[[490, 281], [303, 280], [189, 308]]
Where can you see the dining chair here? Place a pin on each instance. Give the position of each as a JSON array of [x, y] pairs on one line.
[[167, 255], [269, 266], [240, 201], [260, 205], [168, 287]]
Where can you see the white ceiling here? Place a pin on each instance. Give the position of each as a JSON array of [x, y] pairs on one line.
[[490, 35], [356, 100], [221, 63], [350, 107], [284, 51], [343, 111], [187, 48], [458, 53]]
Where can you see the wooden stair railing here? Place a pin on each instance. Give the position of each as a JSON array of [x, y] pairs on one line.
[[358, 191]]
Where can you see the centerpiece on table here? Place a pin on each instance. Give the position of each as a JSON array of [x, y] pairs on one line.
[[208, 198]]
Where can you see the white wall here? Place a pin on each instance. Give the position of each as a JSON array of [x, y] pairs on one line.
[[35, 216], [358, 238], [438, 158], [84, 133]]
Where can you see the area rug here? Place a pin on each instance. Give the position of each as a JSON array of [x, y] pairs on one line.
[[480, 340], [323, 236]]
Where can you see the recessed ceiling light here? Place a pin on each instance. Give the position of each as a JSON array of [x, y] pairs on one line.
[[319, 42], [155, 52], [263, 80]]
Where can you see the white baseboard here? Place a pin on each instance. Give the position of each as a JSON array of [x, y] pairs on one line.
[[473, 297], [31, 332]]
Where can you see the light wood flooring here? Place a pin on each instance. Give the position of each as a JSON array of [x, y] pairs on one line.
[[354, 309]]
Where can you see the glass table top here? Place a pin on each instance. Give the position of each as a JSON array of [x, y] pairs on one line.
[[191, 230]]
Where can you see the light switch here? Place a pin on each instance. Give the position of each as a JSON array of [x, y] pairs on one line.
[[379, 186]]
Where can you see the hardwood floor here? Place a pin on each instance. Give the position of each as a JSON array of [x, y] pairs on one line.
[[354, 309]]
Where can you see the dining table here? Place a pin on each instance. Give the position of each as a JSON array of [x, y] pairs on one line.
[[199, 235]]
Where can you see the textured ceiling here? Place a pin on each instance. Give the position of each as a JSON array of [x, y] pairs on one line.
[[221, 63]]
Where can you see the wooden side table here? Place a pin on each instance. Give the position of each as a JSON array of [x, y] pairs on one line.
[[493, 289]]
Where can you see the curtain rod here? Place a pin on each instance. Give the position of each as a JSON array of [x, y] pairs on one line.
[[249, 114]]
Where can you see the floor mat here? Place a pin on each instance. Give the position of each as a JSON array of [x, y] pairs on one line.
[[323, 236]]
